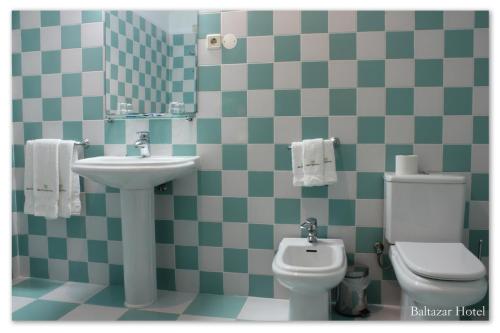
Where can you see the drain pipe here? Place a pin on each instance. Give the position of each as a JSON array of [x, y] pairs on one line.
[[480, 249], [379, 251]]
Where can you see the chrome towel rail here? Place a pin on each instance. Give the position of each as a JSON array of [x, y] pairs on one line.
[[84, 143], [335, 141]]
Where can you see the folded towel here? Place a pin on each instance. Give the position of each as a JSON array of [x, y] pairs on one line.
[[313, 160], [330, 168], [69, 182], [297, 166], [76, 204], [28, 178], [46, 177]]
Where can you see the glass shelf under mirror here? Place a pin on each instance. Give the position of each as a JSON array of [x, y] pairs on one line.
[[187, 116]]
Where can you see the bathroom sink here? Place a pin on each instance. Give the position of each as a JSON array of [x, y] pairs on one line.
[[136, 178], [134, 172]]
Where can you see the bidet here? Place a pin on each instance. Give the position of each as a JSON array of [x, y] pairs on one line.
[[309, 270]]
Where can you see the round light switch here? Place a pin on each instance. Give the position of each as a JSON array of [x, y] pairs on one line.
[[229, 41]]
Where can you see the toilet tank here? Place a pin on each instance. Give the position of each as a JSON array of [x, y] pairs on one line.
[[424, 208]]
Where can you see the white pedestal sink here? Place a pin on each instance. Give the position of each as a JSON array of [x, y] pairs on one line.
[[136, 178]]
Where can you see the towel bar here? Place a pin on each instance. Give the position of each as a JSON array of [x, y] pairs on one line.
[[335, 141], [84, 143]]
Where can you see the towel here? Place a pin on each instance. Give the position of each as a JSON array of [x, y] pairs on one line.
[[46, 177], [313, 161], [297, 165], [69, 182], [330, 170], [28, 178], [76, 204]]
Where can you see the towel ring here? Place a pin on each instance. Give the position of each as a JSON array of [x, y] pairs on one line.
[[335, 141]]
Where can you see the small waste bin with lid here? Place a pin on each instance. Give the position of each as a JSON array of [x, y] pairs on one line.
[[351, 293]]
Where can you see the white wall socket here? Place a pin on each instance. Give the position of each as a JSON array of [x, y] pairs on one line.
[[213, 41]]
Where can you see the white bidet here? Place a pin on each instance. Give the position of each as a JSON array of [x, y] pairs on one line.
[[310, 270]]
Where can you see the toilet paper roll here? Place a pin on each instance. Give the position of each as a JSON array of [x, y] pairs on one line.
[[406, 164]]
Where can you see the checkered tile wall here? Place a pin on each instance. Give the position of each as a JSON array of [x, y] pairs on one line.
[[182, 62], [146, 66], [385, 83]]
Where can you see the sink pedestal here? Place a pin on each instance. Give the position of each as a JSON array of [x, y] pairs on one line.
[[136, 178], [139, 250]]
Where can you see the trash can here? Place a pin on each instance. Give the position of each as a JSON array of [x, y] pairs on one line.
[[351, 292]]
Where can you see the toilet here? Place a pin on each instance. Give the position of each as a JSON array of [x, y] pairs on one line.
[[423, 223]]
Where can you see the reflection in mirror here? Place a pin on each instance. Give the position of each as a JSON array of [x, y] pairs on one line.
[[150, 63]]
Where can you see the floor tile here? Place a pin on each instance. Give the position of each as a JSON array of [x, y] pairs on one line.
[[18, 279], [171, 302], [382, 312], [377, 313], [88, 312], [109, 296], [338, 317], [216, 306], [264, 309], [43, 310], [34, 288], [73, 292], [147, 315], [185, 317], [19, 302]]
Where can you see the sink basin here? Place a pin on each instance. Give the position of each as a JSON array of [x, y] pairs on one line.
[[134, 172], [309, 271], [136, 178]]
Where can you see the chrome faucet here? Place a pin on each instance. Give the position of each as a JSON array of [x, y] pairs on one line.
[[143, 143], [311, 225]]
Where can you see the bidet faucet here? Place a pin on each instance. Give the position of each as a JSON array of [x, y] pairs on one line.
[[143, 143], [311, 225]]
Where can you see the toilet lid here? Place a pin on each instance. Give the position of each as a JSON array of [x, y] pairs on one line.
[[441, 261]]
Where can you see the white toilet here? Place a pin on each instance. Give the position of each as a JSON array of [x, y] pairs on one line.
[[423, 222]]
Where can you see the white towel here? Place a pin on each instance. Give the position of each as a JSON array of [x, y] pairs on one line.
[[76, 204], [69, 182], [313, 160], [297, 165], [28, 178], [46, 177], [330, 168]]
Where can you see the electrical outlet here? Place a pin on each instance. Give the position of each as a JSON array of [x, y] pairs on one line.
[[213, 41]]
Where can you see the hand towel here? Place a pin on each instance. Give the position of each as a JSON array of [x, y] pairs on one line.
[[313, 160], [329, 161], [76, 204], [46, 177], [297, 165], [69, 183], [28, 178]]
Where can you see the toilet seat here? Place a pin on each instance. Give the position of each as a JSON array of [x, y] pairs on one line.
[[436, 292], [441, 261]]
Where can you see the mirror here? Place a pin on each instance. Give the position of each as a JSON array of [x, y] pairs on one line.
[[150, 63]]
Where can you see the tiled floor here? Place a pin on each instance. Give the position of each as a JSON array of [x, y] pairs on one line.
[[38, 299]]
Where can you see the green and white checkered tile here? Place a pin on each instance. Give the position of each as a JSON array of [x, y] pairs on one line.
[[183, 66], [136, 63], [38, 299], [385, 83], [146, 66]]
